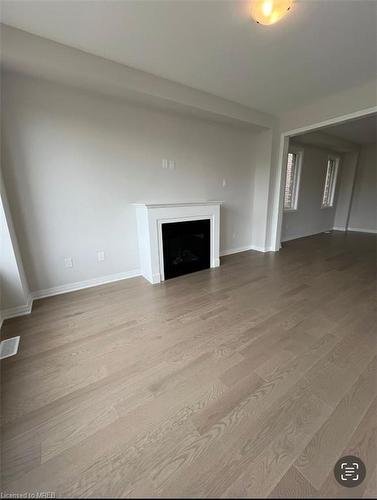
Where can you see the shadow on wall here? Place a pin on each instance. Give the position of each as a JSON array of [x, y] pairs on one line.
[[12, 293], [22, 199]]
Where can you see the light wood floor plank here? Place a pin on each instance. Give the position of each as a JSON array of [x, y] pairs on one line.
[[248, 380], [327, 444], [362, 444], [293, 485]]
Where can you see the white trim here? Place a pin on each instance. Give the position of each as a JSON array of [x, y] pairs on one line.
[[362, 230], [156, 278], [332, 121], [181, 204], [214, 262], [277, 216], [262, 249], [81, 285], [355, 229], [13, 312], [306, 235], [231, 251], [246, 248]]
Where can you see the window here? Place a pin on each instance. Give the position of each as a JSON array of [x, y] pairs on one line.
[[330, 182], [292, 181]]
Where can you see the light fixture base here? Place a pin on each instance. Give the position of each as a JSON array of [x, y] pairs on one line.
[[269, 12]]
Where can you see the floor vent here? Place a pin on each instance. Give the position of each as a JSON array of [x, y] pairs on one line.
[[9, 347]]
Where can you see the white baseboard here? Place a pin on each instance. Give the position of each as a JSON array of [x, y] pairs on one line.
[[298, 237], [80, 285], [156, 278], [231, 251], [362, 230], [245, 249], [13, 312], [356, 229], [262, 249]]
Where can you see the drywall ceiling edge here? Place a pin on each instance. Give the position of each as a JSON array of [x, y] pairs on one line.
[[39, 57]]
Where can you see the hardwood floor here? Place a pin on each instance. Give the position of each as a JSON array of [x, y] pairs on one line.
[[250, 380]]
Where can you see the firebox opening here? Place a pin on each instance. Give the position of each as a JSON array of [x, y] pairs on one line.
[[186, 247]]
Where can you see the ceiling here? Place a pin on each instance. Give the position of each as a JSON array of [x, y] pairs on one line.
[[320, 48], [343, 137], [361, 131]]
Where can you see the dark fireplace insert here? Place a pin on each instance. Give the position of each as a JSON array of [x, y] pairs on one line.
[[186, 247]]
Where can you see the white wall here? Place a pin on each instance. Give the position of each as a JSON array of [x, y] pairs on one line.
[[14, 290], [309, 218], [262, 160], [11, 290], [74, 161], [364, 203], [353, 100]]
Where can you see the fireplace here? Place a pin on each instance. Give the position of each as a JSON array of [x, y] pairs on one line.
[[186, 247], [177, 238]]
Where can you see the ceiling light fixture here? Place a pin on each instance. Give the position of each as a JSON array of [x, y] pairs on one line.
[[269, 11]]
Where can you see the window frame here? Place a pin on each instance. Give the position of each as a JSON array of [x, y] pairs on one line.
[[333, 185], [297, 180]]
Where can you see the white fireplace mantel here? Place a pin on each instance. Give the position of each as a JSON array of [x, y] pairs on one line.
[[151, 216]]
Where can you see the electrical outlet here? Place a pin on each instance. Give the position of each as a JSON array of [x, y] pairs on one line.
[[100, 256], [164, 163], [171, 164], [224, 183], [68, 262]]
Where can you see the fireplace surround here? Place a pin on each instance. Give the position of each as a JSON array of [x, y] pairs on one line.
[[155, 220]]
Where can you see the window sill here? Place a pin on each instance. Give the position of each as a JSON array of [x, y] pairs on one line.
[[290, 210]]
